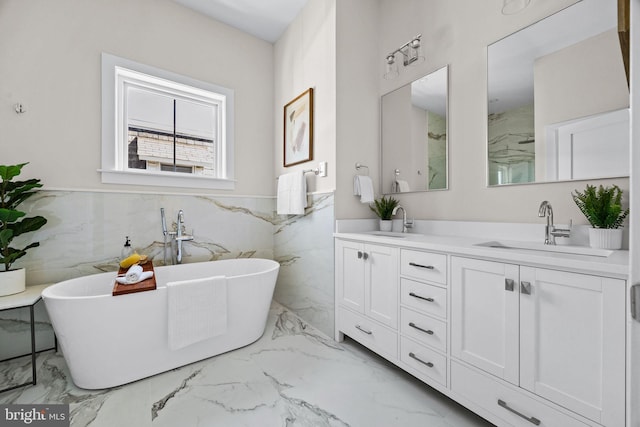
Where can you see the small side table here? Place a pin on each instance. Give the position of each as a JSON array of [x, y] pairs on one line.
[[28, 298]]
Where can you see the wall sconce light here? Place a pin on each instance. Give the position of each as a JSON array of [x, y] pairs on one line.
[[511, 7], [411, 54]]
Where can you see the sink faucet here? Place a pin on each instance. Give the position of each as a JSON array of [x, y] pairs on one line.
[[550, 231], [405, 223], [180, 236]]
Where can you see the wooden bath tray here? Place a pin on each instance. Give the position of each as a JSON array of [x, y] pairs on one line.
[[145, 285]]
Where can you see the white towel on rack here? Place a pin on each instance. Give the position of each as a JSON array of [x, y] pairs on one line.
[[197, 310], [292, 194], [363, 187], [402, 186]]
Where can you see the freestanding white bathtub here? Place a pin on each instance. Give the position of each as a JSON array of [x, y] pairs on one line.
[[112, 340]]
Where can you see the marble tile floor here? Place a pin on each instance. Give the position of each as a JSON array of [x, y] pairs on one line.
[[293, 376]]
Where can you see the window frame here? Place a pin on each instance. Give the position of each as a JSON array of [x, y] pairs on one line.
[[116, 72]]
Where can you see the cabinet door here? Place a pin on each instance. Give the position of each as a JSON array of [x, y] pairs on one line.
[[572, 333], [484, 316], [350, 274], [381, 279]]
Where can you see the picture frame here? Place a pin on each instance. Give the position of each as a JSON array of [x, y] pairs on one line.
[[298, 129]]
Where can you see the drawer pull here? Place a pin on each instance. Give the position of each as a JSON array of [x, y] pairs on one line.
[[525, 288], [532, 420], [413, 356], [420, 297], [428, 267], [426, 331], [358, 327]]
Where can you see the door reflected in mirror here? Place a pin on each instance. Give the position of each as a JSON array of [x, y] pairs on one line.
[[414, 146], [558, 99]]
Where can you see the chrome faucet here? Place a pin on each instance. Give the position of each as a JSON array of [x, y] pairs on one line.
[[175, 238], [405, 223], [550, 230], [180, 236]]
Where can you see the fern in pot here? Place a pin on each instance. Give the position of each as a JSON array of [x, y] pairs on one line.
[[14, 223], [383, 208], [603, 209]]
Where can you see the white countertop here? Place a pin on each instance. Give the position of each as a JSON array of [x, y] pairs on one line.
[[615, 265], [23, 299]]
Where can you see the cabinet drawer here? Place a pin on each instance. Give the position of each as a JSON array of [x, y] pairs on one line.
[[514, 407], [424, 266], [424, 329], [423, 297], [368, 333], [424, 360]]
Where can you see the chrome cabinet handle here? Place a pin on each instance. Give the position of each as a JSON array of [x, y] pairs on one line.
[[426, 331], [413, 356], [525, 288], [532, 420], [365, 255], [359, 254], [420, 297], [428, 267], [363, 330], [509, 285]]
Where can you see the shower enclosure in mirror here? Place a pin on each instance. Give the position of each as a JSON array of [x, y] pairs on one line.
[[414, 147], [558, 99]]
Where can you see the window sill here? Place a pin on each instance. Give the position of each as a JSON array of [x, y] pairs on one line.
[[165, 179]]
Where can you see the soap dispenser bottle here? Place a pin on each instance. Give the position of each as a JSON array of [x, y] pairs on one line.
[[127, 250]]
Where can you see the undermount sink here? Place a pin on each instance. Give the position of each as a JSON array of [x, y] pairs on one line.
[[539, 247], [389, 234]]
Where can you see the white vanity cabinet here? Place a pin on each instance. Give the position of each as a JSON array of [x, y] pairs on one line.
[[367, 294], [521, 340], [558, 335]]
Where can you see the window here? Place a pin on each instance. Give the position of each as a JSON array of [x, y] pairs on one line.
[[160, 128]]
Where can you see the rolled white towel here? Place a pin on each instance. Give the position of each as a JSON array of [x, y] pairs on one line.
[[144, 276], [133, 273]]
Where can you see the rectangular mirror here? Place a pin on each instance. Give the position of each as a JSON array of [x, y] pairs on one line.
[[558, 99], [414, 147]]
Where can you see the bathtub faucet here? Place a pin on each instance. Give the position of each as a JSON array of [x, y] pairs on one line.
[[180, 236], [173, 239]]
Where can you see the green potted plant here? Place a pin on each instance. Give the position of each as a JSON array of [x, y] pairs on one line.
[[603, 209], [383, 207], [13, 223]]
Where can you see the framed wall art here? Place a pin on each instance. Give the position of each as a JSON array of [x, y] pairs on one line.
[[298, 129]]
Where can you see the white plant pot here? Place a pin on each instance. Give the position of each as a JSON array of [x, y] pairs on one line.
[[605, 238], [12, 282], [386, 225]]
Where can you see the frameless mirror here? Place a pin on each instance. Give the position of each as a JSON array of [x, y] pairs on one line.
[[414, 136], [558, 99]]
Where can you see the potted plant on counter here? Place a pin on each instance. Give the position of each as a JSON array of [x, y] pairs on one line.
[[603, 209], [13, 223], [383, 207]]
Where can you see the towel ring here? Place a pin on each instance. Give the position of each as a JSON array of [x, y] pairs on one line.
[[360, 165]]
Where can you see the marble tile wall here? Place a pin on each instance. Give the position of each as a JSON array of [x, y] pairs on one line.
[[303, 244], [86, 230]]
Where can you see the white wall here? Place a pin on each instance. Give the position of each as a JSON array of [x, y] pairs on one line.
[[50, 54], [457, 36], [304, 57], [357, 101]]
